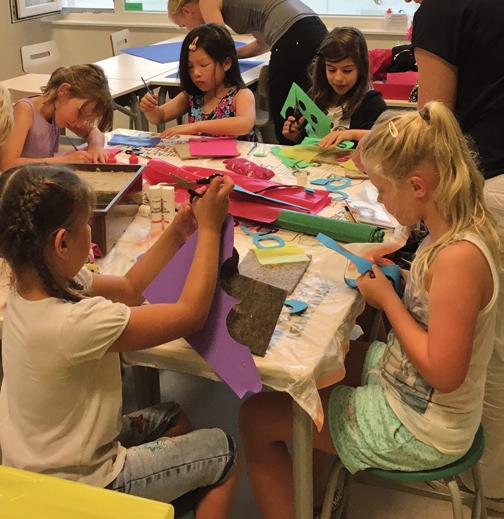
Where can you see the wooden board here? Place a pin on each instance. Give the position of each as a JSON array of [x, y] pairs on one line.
[[106, 182], [183, 151], [284, 276]]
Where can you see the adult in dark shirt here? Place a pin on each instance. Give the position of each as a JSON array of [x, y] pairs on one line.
[[459, 49]]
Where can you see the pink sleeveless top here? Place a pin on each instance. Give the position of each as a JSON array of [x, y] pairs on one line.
[[43, 136]]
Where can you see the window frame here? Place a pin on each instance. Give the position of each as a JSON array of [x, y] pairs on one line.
[[21, 12]]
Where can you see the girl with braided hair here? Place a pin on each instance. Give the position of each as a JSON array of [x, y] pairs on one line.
[[60, 401], [77, 98]]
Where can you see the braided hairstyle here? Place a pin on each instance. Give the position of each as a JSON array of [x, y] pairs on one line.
[[36, 200]]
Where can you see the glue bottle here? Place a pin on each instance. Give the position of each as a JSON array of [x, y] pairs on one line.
[[167, 204], [156, 217]]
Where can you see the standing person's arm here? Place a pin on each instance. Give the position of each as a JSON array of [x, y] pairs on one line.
[[254, 48], [211, 11], [438, 31], [437, 79]]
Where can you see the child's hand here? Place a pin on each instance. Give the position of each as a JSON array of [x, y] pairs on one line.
[[184, 223], [211, 209], [291, 128], [98, 154], [375, 288], [77, 157], [148, 103], [180, 129], [337, 136]]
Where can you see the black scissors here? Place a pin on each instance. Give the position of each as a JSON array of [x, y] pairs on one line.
[[182, 182]]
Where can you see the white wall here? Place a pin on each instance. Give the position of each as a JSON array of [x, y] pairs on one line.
[[84, 38]]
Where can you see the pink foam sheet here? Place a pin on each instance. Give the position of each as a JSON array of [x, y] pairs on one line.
[[232, 361], [242, 205], [224, 147]]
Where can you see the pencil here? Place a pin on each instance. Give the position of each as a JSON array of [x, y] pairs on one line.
[[349, 213], [71, 142], [253, 147], [147, 86]]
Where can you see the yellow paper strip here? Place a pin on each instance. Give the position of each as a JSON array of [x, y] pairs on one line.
[[287, 254], [349, 164], [293, 152]]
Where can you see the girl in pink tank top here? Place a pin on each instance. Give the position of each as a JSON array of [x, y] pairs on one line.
[[77, 98]]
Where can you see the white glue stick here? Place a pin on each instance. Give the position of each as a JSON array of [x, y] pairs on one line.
[[155, 203], [156, 216], [168, 204]]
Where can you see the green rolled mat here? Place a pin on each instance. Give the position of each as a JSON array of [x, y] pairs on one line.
[[340, 231]]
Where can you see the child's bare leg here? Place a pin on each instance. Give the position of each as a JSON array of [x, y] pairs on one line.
[[216, 502], [354, 361], [265, 426]]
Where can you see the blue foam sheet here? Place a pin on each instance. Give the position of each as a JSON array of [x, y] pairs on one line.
[[163, 52], [244, 66]]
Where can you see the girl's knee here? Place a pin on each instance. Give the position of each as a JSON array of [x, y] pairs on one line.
[[265, 416]]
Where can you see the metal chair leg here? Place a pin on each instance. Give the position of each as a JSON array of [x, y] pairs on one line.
[[479, 507], [456, 499], [331, 489]]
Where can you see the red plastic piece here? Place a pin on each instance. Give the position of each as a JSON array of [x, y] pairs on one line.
[[133, 159]]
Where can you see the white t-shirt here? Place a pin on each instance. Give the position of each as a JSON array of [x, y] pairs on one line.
[[445, 421], [60, 401]]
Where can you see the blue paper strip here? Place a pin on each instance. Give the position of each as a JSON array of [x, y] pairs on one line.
[[297, 307], [163, 52], [240, 189], [119, 139], [392, 271], [244, 66]]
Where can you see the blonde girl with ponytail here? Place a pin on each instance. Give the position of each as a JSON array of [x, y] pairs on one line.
[[419, 402]]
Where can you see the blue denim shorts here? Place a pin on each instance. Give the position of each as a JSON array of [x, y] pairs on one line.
[[162, 468]]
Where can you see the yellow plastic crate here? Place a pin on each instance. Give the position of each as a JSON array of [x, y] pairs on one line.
[[26, 494]]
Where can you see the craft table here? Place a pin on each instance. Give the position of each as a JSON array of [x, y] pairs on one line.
[[306, 352]]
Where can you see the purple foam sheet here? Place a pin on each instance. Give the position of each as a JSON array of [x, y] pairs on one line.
[[232, 361]]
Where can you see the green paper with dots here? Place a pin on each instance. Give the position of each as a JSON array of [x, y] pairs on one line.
[[297, 102]]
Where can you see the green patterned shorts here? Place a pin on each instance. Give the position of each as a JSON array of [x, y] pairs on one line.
[[367, 433]]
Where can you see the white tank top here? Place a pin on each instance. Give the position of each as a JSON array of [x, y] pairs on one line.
[[445, 421]]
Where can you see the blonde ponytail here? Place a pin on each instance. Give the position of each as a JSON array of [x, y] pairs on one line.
[[400, 141], [174, 6]]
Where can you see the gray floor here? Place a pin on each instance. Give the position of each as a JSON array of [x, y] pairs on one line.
[[210, 403]]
